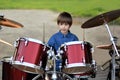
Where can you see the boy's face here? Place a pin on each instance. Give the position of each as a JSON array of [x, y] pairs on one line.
[[64, 27]]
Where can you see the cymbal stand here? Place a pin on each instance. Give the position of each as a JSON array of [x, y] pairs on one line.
[[112, 39], [36, 77], [51, 53], [54, 75], [114, 52]]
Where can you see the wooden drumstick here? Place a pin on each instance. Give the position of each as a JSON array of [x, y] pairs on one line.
[[43, 32], [83, 34], [5, 42]]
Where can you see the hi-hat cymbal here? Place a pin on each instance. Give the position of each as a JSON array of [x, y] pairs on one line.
[[9, 23], [109, 46], [101, 19]]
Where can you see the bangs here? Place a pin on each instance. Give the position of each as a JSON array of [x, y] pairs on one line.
[[64, 18]]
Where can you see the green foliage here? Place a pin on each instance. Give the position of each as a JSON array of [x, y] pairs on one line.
[[81, 8]]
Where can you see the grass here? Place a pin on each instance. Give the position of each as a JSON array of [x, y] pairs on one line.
[[78, 8]]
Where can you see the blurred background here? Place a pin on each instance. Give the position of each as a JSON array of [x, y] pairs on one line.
[[34, 15]]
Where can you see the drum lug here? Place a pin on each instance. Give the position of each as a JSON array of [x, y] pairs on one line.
[[21, 59], [83, 46], [92, 50], [11, 60], [40, 63], [66, 62], [65, 47], [22, 77], [16, 43], [26, 42], [94, 65], [44, 48], [93, 62], [83, 60]]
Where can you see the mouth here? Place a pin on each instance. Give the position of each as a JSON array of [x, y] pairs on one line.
[[63, 30]]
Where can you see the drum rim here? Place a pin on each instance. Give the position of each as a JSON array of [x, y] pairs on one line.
[[25, 64], [75, 65], [32, 39], [38, 69], [6, 59], [72, 42]]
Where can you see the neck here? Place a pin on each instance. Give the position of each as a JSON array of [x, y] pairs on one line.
[[63, 32]]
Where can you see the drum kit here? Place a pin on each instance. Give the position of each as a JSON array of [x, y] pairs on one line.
[[33, 59]]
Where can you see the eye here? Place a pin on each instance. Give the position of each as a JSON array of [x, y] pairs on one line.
[[60, 23], [66, 24]]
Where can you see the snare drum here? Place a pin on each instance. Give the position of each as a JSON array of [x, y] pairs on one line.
[[30, 55], [77, 57]]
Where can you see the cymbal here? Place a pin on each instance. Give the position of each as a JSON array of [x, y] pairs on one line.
[[5, 42], [101, 19], [10, 23], [109, 46]]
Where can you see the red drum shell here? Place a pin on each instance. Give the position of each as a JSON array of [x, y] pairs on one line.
[[77, 57], [11, 73], [29, 55]]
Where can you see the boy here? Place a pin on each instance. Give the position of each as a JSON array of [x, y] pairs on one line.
[[64, 22]]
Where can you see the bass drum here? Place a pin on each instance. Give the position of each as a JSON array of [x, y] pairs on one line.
[[11, 73]]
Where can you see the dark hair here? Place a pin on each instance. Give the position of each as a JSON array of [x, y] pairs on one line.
[[64, 17]]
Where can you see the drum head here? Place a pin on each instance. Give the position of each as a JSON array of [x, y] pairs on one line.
[[31, 40], [77, 70], [71, 43], [28, 68]]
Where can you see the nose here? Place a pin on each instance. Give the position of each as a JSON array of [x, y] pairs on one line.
[[63, 25]]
